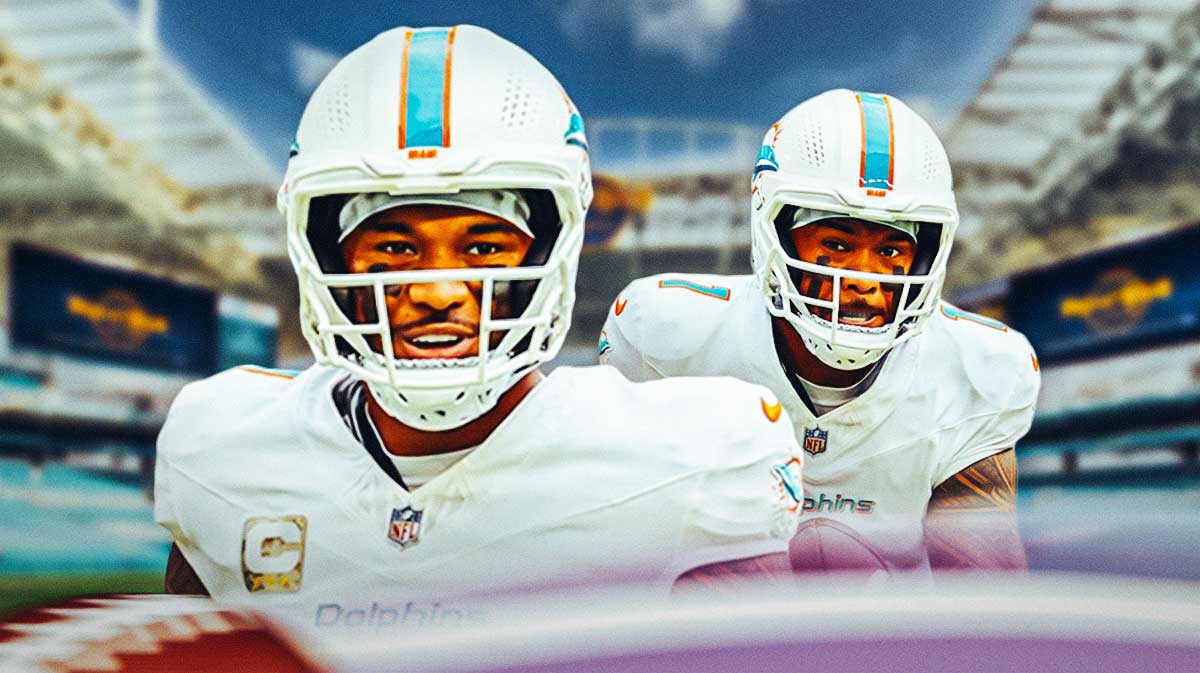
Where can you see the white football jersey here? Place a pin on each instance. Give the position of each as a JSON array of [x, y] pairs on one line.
[[958, 392], [591, 478]]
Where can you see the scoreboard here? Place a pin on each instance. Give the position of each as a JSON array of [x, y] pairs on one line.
[[1129, 297], [60, 303]]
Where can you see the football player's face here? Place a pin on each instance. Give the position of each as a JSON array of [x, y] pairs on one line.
[[433, 320], [847, 243]]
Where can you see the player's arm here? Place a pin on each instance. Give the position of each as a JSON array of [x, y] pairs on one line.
[[971, 523], [180, 577], [727, 576]]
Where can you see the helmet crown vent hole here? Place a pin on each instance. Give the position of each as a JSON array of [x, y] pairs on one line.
[[518, 109]]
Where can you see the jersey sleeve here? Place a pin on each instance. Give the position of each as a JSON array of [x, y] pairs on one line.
[[658, 325], [164, 498], [1011, 392], [189, 493], [167, 507], [198, 526], [618, 345], [749, 500]]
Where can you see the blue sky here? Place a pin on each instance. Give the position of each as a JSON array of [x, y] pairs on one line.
[[719, 60]]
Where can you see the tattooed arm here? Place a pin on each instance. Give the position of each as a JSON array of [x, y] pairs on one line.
[[730, 578], [971, 522]]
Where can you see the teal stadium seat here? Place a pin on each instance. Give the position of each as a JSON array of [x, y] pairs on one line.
[[70, 520]]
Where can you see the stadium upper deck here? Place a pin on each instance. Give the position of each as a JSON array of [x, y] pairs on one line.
[[1050, 157], [117, 144]]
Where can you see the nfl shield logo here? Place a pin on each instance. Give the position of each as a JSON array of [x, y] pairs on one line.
[[814, 440], [405, 526]]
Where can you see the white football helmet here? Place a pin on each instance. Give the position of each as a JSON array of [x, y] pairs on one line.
[[438, 111], [861, 155]]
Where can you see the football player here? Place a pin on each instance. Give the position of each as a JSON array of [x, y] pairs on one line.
[[908, 407], [435, 204]]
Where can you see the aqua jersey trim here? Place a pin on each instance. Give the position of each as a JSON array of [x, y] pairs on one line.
[[268, 371], [954, 313], [713, 291]]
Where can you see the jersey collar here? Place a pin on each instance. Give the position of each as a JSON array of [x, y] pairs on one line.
[[856, 419]]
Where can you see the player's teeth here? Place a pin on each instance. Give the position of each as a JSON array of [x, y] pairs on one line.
[[855, 317], [436, 339]]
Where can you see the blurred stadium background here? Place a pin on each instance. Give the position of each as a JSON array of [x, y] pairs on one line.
[[142, 250]]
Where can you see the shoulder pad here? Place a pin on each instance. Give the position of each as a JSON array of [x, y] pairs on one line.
[[703, 420], [997, 360], [724, 420], [672, 316], [226, 404]]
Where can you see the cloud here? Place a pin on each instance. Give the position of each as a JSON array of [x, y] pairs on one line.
[[900, 68], [310, 64], [695, 31]]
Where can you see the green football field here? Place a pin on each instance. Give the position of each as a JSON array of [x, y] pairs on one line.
[[18, 592]]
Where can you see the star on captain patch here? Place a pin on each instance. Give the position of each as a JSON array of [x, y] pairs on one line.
[[405, 526], [814, 440]]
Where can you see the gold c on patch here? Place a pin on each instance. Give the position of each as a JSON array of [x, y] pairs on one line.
[[273, 553]]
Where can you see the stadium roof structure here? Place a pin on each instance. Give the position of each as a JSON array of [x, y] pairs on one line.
[[96, 53], [1083, 77], [110, 133]]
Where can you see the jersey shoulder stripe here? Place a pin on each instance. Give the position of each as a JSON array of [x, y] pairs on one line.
[[268, 371], [995, 360], [243, 406]]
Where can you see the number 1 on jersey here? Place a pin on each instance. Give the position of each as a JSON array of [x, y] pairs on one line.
[[713, 291], [956, 313]]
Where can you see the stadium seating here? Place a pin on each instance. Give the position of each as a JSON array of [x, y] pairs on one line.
[[63, 519]]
